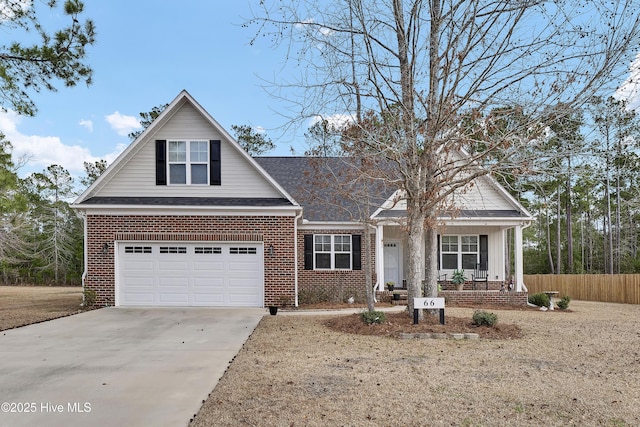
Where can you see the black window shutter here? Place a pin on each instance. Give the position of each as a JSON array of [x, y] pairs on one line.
[[484, 251], [308, 251], [438, 252], [215, 171], [161, 162], [356, 251]]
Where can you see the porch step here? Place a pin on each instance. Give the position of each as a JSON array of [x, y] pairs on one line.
[[403, 297]]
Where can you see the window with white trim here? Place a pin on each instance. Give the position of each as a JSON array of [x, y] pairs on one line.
[[188, 162], [332, 252], [459, 252]]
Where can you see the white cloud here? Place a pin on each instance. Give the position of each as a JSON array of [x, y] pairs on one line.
[[630, 89], [122, 124], [9, 9], [337, 120], [44, 151], [88, 124]]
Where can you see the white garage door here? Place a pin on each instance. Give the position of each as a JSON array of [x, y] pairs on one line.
[[190, 274]]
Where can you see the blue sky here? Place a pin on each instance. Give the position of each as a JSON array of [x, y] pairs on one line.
[[146, 52]]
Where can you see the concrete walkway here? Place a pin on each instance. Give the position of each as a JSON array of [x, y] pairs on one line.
[[333, 312], [118, 366]]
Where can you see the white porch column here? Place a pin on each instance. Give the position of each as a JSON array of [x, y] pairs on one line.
[[519, 263], [380, 257]]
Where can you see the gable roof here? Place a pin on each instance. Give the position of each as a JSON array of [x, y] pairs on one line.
[[102, 192]]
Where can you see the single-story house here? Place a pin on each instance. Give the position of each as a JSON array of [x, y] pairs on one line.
[[185, 217]]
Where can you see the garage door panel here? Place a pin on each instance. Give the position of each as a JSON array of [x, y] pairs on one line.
[[208, 299], [211, 267], [138, 265], [215, 284], [139, 298], [242, 300], [173, 267], [244, 266], [174, 280], [169, 299], [190, 274], [136, 282]]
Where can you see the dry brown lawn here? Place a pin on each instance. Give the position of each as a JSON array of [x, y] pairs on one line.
[[580, 367], [23, 305], [568, 368]]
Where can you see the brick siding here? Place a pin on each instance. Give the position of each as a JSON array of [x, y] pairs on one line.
[[484, 297], [332, 285], [468, 286], [279, 274]]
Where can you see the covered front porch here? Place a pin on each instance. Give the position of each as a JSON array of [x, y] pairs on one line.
[[463, 245]]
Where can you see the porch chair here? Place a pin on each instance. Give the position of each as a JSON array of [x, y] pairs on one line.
[[480, 274]]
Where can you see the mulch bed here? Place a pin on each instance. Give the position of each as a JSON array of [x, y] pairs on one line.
[[397, 323]]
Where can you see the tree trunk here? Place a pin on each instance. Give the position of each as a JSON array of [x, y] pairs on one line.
[[416, 245], [431, 263], [558, 235], [608, 229], [549, 254], [569, 214], [368, 270]]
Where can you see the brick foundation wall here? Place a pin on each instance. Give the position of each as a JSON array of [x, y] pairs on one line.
[[327, 285], [468, 286], [279, 274], [484, 297]]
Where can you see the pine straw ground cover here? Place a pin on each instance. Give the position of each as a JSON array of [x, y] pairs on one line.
[[566, 368]]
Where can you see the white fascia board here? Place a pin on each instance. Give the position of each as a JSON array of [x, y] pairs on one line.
[[191, 210], [389, 204], [489, 221], [323, 225], [500, 222]]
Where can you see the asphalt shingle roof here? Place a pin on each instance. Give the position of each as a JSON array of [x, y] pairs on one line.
[[324, 186]]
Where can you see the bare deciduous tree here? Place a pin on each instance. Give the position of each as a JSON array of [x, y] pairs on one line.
[[446, 74]]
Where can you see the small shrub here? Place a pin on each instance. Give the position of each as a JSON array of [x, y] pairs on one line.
[[371, 317], [481, 318], [541, 300], [563, 304], [89, 299], [314, 295]]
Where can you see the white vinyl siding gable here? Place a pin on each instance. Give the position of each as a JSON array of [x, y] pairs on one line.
[[137, 176], [482, 195]]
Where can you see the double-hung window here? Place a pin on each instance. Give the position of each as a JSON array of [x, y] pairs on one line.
[[332, 252], [459, 252], [469, 252], [449, 252], [188, 162]]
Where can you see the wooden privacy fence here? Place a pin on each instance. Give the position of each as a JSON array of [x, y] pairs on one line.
[[623, 288]]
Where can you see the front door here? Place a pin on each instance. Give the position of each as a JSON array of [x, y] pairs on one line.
[[392, 263]]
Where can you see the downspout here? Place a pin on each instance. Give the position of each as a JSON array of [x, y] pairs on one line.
[[85, 256], [295, 252]]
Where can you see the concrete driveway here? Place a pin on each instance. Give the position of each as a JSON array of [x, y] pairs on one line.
[[118, 366]]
